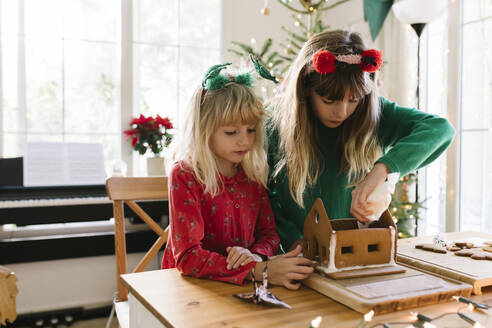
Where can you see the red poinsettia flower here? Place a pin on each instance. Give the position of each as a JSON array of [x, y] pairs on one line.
[[149, 133], [324, 62], [153, 126], [141, 120], [165, 122], [371, 60], [130, 132]]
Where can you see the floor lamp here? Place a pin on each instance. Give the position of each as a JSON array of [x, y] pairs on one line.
[[418, 13]]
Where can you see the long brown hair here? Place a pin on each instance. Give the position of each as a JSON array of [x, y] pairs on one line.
[[295, 120]]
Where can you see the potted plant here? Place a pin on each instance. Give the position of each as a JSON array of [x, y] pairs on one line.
[[151, 133]]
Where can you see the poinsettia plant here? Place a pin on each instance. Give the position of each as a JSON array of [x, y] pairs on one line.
[[150, 133]]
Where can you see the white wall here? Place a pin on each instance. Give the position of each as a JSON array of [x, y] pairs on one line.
[[86, 282], [242, 20]]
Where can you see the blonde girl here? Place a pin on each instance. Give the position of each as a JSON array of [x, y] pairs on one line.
[[221, 223]]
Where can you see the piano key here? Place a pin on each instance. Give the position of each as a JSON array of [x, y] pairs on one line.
[[72, 228], [54, 202]]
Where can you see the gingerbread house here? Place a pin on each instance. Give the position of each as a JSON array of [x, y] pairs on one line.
[[341, 245]]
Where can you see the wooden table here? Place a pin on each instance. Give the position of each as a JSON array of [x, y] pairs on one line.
[[166, 298]]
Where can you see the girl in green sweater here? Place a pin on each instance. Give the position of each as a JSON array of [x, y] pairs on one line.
[[331, 136]]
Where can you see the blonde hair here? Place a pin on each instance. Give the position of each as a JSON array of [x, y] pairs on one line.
[[296, 122], [235, 104]]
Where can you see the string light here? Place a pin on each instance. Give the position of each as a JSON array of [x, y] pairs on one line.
[[316, 322], [368, 316], [428, 325], [422, 321], [420, 317], [462, 299], [475, 324], [471, 304]]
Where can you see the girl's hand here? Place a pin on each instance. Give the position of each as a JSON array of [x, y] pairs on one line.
[[239, 256], [294, 245], [359, 206], [287, 269]]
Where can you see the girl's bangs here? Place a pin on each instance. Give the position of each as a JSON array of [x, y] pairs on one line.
[[240, 107], [334, 86]]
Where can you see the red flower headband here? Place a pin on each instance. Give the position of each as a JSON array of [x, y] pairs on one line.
[[370, 61]]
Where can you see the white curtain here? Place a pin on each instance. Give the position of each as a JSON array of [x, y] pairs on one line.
[[398, 42]]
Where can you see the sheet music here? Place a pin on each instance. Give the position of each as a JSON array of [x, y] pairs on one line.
[[58, 164]]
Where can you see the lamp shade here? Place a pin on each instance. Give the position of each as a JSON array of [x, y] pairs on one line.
[[419, 11]]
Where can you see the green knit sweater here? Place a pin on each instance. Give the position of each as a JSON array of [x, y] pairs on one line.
[[411, 139]]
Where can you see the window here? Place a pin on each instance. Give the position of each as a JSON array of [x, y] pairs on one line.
[[173, 46], [434, 99], [465, 68], [61, 68], [476, 117], [60, 76]]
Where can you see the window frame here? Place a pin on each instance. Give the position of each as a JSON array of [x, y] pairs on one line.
[[127, 73], [454, 192]]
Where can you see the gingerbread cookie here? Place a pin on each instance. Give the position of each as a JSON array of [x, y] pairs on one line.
[[488, 243], [487, 249], [464, 252], [453, 248], [474, 254], [481, 256], [432, 248], [420, 246], [464, 244]]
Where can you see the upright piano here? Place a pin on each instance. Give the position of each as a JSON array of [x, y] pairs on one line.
[[59, 222]]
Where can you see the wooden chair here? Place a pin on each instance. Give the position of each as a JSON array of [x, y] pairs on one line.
[[8, 292], [127, 190]]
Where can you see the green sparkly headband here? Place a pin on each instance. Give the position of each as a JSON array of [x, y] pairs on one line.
[[262, 71], [214, 80]]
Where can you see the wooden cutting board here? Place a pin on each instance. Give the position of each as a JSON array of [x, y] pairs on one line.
[[477, 273], [389, 293]]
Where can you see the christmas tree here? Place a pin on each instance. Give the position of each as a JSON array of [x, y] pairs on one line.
[[405, 212], [308, 21]]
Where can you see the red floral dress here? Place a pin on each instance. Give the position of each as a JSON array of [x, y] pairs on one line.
[[202, 227]]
